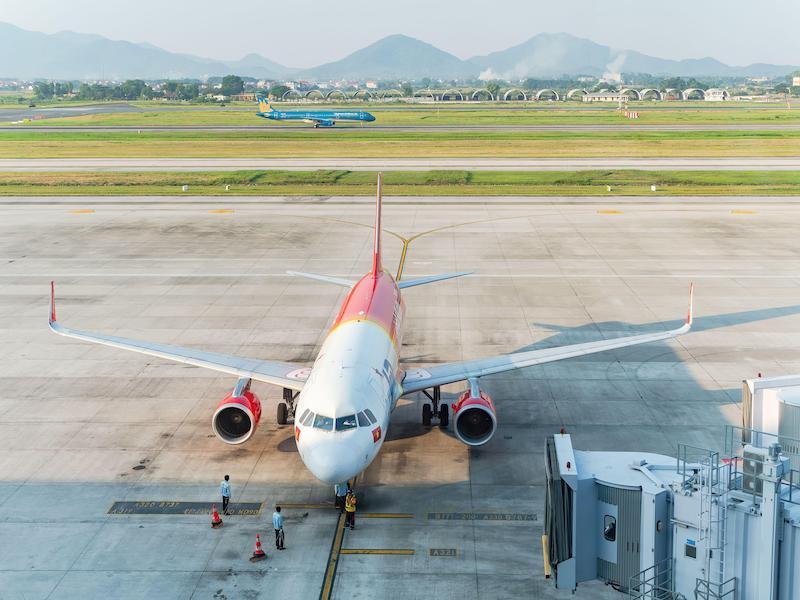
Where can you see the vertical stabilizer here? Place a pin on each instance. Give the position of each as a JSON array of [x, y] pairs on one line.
[[264, 105], [376, 251]]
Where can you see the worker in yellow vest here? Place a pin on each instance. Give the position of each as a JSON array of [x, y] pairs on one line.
[[350, 509]]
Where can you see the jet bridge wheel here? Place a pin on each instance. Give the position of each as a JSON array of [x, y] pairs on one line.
[[427, 413], [283, 412]]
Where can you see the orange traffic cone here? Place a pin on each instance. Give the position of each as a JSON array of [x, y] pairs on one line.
[[258, 553], [215, 520]]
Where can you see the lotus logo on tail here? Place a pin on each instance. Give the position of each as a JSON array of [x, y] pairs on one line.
[[263, 105]]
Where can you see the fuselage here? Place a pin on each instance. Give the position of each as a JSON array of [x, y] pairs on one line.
[[324, 117], [344, 408]]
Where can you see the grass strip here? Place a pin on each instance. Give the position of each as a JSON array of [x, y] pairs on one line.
[[406, 183], [276, 143]]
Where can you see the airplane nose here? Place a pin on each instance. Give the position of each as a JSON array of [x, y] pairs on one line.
[[333, 461]]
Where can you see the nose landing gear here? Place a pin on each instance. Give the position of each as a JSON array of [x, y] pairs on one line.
[[286, 408], [435, 410]]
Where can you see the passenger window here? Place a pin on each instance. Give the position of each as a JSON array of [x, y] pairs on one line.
[[610, 528], [363, 421], [307, 419], [324, 423], [370, 416], [348, 422]]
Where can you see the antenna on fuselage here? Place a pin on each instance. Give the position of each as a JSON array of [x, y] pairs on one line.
[[376, 251]]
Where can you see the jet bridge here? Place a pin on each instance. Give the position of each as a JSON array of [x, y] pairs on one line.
[[702, 525]]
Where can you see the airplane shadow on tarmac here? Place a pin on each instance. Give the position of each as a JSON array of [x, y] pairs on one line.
[[410, 426]]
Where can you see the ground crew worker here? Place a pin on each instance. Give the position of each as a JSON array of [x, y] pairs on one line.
[[225, 490], [340, 489], [277, 523], [350, 509]]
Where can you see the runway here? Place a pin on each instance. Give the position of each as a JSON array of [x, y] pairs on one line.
[[350, 128], [88, 433], [396, 164]]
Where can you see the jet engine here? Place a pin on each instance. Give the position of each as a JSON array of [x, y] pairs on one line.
[[237, 416], [475, 418]]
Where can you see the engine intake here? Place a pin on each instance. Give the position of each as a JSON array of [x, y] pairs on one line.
[[475, 419], [237, 417]]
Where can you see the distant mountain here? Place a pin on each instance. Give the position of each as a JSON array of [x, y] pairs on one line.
[[255, 65], [394, 57], [68, 55], [554, 55]]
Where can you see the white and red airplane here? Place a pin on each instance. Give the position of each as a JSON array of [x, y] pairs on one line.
[[345, 400]]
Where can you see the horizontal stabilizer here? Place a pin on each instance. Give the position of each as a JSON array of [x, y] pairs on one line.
[[325, 278], [423, 280]]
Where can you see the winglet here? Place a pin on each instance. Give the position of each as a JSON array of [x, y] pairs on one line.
[[52, 318], [376, 252], [690, 313]]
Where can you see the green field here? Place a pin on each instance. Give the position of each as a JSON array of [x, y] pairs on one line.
[[405, 183], [447, 116], [386, 144]]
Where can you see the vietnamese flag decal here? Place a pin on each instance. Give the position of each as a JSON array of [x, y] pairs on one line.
[[376, 434], [296, 434]]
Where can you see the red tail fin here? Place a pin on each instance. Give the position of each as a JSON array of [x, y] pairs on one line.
[[376, 252]]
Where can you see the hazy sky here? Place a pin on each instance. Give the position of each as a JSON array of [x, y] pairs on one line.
[[304, 33]]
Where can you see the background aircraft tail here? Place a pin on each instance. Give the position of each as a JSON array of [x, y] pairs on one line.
[[264, 105], [376, 251]]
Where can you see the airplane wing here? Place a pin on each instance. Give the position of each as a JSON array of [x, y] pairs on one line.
[[286, 375], [420, 379]]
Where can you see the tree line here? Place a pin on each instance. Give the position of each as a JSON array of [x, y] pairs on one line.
[[137, 89]]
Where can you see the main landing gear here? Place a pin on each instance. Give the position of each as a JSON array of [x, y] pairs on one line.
[[435, 410], [286, 408]]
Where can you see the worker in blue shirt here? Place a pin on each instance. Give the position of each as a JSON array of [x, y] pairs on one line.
[[340, 489], [277, 523], [225, 490]]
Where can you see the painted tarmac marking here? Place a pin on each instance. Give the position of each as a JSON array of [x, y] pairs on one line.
[[386, 515], [333, 559], [81, 211], [291, 505], [388, 551], [446, 552], [743, 212], [609, 212], [160, 507], [221, 211], [458, 516]]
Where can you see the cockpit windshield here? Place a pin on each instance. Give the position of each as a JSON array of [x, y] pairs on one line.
[[323, 422], [343, 423]]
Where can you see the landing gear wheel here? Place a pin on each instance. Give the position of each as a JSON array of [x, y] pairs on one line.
[[444, 416], [283, 412], [427, 413]]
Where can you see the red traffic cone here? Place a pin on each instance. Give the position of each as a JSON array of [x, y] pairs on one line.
[[215, 520], [258, 553]]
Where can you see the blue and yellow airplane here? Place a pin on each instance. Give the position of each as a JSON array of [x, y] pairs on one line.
[[320, 118]]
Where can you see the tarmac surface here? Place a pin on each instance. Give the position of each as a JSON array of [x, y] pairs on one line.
[[396, 164], [350, 127], [83, 427], [55, 112]]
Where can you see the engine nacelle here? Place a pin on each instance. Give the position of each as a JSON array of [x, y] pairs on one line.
[[237, 417], [475, 418]]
